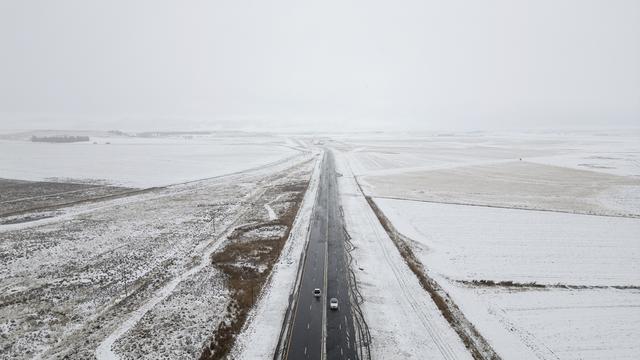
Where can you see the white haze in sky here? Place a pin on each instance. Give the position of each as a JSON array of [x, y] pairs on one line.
[[319, 65]]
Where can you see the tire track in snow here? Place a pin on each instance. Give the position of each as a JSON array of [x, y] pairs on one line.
[[386, 248], [425, 318]]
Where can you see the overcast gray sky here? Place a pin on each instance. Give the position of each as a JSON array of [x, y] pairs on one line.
[[202, 64]]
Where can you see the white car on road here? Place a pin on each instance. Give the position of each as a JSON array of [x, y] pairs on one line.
[[333, 304]]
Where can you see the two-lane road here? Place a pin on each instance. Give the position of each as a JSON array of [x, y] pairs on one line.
[[316, 330]]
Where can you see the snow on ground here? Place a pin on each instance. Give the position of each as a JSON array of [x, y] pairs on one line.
[[410, 154], [614, 152], [139, 162], [86, 272], [403, 321], [577, 172], [474, 243], [612, 162], [260, 335], [610, 152], [118, 267], [595, 316], [458, 242], [517, 184], [554, 323], [173, 325]]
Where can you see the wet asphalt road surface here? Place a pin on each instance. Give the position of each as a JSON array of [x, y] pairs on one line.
[[326, 268]]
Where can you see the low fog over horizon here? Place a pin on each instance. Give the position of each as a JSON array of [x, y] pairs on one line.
[[351, 66]]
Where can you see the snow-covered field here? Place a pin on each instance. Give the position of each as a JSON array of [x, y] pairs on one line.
[[535, 237], [550, 283], [131, 277], [584, 173], [139, 162], [613, 152], [517, 184], [554, 323], [594, 316], [484, 243]]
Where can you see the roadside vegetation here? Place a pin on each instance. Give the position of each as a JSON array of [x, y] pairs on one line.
[[535, 285], [246, 261]]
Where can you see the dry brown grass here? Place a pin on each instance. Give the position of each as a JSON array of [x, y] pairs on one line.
[[533, 285], [491, 283], [246, 281]]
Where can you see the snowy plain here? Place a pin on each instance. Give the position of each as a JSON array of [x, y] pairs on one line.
[[612, 152], [105, 274], [590, 323], [591, 265], [573, 172], [465, 202], [485, 243], [139, 162]]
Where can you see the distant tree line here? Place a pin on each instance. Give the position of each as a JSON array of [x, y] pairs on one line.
[[59, 139]]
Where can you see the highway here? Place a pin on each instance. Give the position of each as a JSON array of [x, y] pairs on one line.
[[316, 331]]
